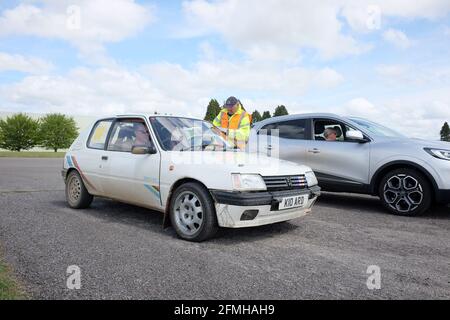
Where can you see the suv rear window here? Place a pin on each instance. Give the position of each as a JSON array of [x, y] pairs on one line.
[[98, 135]]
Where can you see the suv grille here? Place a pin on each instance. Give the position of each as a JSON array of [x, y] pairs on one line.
[[285, 182]]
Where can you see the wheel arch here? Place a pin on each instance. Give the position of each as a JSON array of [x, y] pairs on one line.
[[178, 183], [379, 174], [69, 171]]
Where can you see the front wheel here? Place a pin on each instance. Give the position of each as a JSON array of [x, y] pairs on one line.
[[192, 213], [405, 192], [76, 193]]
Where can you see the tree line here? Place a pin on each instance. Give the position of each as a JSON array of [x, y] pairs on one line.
[[214, 108], [53, 131]]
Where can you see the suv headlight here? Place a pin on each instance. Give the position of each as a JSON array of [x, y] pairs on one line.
[[311, 179], [248, 182], [439, 153]]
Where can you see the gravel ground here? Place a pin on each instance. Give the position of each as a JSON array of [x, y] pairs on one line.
[[124, 253]]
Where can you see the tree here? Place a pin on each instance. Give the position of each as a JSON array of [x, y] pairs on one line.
[[266, 115], [57, 131], [18, 132], [280, 111], [213, 110], [256, 116], [445, 132]]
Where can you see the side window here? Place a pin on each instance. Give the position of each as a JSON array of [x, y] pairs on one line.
[[293, 129], [128, 133], [330, 130], [267, 128], [98, 135]]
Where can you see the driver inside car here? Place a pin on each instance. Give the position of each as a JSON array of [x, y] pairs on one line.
[[142, 135]]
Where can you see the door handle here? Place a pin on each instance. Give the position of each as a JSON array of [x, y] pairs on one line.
[[315, 150], [269, 147], [105, 158]]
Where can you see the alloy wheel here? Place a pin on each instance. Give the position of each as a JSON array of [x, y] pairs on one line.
[[403, 193]]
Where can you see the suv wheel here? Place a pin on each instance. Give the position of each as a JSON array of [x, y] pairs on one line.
[[405, 192], [192, 213], [76, 193]]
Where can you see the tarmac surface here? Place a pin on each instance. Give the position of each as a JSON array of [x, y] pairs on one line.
[[123, 252]]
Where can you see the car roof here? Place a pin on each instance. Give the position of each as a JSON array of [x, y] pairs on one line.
[[149, 115]]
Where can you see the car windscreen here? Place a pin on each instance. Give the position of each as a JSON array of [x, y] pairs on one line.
[[376, 129], [185, 134]]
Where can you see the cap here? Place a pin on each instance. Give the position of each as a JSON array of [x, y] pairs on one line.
[[231, 101]]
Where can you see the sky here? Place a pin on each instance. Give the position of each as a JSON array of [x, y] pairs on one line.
[[388, 61]]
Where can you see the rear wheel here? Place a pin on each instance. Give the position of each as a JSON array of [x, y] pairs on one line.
[[192, 213], [76, 193], [405, 192]]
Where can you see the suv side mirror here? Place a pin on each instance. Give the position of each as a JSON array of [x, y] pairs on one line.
[[355, 135], [143, 149]]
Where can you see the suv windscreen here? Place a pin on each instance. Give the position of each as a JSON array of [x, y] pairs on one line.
[[376, 128], [184, 134]]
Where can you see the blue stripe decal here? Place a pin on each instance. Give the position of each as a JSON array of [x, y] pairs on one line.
[[69, 161], [152, 190]]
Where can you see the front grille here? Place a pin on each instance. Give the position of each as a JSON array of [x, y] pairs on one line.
[[277, 183]]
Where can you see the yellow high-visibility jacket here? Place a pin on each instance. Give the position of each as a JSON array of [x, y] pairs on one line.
[[237, 126]]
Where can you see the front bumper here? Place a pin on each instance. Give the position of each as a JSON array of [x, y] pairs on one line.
[[249, 209]]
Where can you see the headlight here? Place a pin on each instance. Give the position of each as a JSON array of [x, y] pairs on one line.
[[311, 179], [248, 182], [439, 153]]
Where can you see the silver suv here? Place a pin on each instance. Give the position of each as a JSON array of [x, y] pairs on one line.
[[361, 156]]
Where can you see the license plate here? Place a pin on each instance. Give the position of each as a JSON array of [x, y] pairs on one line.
[[293, 202]]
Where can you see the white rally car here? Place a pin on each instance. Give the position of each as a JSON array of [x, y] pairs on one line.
[[185, 169]]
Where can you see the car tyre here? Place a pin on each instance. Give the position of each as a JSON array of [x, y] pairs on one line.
[[405, 192], [77, 195], [192, 213]]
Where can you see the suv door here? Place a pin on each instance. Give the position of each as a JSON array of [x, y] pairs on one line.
[[342, 164], [132, 178], [285, 139]]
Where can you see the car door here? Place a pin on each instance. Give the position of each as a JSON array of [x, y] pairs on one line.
[[89, 162], [340, 165], [286, 140], [132, 178]]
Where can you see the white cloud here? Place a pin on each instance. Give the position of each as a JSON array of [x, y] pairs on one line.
[[393, 70], [280, 29], [162, 87], [418, 115], [275, 30], [16, 62], [87, 25], [362, 15], [397, 38], [208, 77]]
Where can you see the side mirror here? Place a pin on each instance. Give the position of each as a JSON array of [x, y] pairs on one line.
[[143, 150], [355, 135]]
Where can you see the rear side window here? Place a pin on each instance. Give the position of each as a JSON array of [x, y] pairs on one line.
[[98, 135], [292, 129]]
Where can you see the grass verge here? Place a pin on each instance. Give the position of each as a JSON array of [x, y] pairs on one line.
[[31, 154], [9, 288]]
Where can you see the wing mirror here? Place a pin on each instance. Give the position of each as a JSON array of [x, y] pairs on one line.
[[143, 150], [355, 135]]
